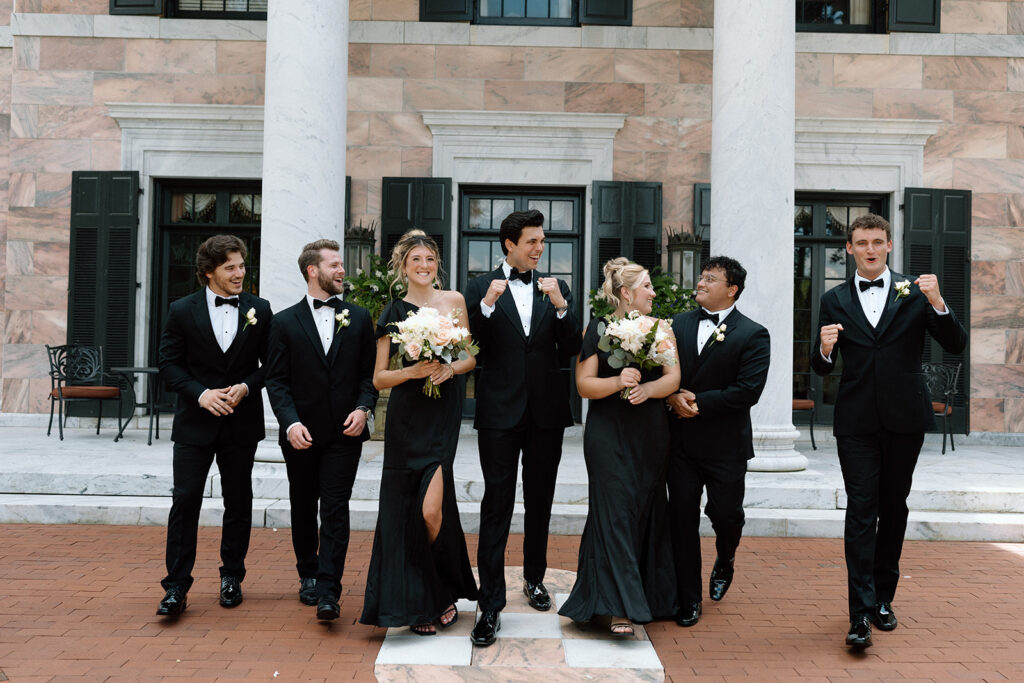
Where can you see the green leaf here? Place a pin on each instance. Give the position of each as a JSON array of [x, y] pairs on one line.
[[601, 327], [615, 363], [463, 355], [604, 344]]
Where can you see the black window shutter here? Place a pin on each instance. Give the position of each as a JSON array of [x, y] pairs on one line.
[[424, 203], [136, 6], [607, 12], [446, 10], [626, 222], [937, 239], [702, 218], [101, 296], [920, 16]]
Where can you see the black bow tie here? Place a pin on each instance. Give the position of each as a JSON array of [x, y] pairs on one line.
[[333, 303], [526, 276], [868, 284], [220, 301], [704, 315]]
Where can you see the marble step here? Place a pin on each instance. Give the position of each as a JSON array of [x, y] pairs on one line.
[[565, 519]]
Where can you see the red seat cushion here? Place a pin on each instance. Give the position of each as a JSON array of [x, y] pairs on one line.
[[86, 392], [803, 404], [937, 408]]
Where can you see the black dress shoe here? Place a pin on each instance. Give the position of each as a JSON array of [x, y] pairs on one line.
[[307, 591], [884, 617], [721, 578], [689, 614], [327, 610], [538, 596], [230, 591], [486, 630], [173, 604], [860, 633]]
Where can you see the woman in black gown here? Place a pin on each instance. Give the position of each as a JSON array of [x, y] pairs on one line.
[[625, 561], [419, 566]]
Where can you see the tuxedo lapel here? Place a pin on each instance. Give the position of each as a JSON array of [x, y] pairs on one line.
[[539, 306], [336, 341], [507, 304], [892, 304], [241, 332], [201, 314], [309, 327], [851, 304]]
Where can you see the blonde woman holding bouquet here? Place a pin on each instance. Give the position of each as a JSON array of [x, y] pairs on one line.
[[627, 366], [419, 566]]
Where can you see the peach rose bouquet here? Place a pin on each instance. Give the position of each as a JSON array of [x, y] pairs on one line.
[[636, 341], [428, 335]]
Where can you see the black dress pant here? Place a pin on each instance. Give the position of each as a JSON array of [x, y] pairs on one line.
[[191, 467], [725, 481], [499, 460], [878, 470], [321, 477]]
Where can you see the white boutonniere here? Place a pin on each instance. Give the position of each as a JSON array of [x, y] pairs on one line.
[[902, 290], [540, 288], [342, 319], [250, 318], [717, 335]]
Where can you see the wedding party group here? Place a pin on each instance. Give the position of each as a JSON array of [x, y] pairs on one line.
[[668, 419]]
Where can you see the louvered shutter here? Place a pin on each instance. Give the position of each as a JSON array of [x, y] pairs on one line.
[[626, 222], [136, 6], [918, 16], [937, 239], [446, 10], [424, 203], [607, 12]]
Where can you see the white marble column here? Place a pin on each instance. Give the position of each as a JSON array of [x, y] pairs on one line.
[[303, 138], [752, 184]]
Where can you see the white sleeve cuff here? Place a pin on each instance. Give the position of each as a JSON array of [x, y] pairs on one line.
[[486, 310]]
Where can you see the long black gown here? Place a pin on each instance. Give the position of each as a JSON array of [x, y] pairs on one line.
[[411, 581], [625, 560]]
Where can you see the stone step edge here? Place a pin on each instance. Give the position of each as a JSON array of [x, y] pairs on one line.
[[566, 519]]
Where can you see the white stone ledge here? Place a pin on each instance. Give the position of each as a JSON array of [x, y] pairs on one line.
[[630, 37], [6, 39], [974, 45], [526, 36], [107, 26], [381, 32], [102, 26], [922, 44], [436, 33], [843, 43]]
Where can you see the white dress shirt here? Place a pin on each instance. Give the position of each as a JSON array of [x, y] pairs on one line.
[[873, 299], [323, 317], [706, 327], [522, 294], [223, 318]]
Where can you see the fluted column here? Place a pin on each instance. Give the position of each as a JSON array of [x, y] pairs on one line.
[[303, 138], [752, 184]]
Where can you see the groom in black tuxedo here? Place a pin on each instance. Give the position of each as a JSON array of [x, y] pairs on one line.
[[527, 332], [210, 354], [877, 322], [320, 383], [724, 358]]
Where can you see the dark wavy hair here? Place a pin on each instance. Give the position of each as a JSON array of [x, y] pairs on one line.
[[214, 252], [735, 274], [869, 221], [512, 226]]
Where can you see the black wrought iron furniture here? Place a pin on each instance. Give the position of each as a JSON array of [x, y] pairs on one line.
[[941, 379], [806, 405], [76, 375], [152, 405]]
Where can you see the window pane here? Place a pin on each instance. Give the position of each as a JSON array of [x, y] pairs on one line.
[[497, 256], [544, 206], [187, 207], [561, 9], [479, 214], [246, 208], [802, 294], [834, 12], [802, 324], [501, 209], [801, 356], [802, 262], [490, 8], [801, 386], [835, 263], [514, 8], [537, 8], [561, 216], [803, 221], [479, 256], [561, 258]]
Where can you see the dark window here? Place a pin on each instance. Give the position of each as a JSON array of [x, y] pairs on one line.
[[867, 16], [529, 12], [217, 9]]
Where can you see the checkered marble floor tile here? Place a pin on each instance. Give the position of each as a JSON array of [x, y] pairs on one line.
[[531, 645]]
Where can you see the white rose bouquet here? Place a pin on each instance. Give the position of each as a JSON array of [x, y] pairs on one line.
[[428, 335], [637, 341]]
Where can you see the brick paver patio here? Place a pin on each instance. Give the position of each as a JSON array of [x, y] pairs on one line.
[[77, 602]]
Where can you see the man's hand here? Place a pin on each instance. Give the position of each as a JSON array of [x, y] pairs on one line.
[[217, 401], [684, 403], [299, 437], [929, 285], [354, 423], [496, 289], [829, 337], [549, 286], [237, 393]]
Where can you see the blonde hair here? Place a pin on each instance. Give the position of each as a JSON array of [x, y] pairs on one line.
[[618, 273], [406, 243]]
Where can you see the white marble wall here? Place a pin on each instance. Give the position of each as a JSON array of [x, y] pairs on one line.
[[304, 138], [752, 193]]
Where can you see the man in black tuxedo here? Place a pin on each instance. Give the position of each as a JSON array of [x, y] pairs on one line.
[[527, 332], [877, 322], [210, 354], [320, 382], [725, 357]]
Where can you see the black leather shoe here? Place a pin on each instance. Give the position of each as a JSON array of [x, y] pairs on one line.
[[884, 617], [230, 591], [486, 630], [307, 591], [689, 614], [173, 604], [721, 578], [538, 596], [327, 610], [860, 633]]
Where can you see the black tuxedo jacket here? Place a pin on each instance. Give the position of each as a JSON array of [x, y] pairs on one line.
[[520, 373], [728, 378], [882, 386], [191, 362], [317, 389]]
